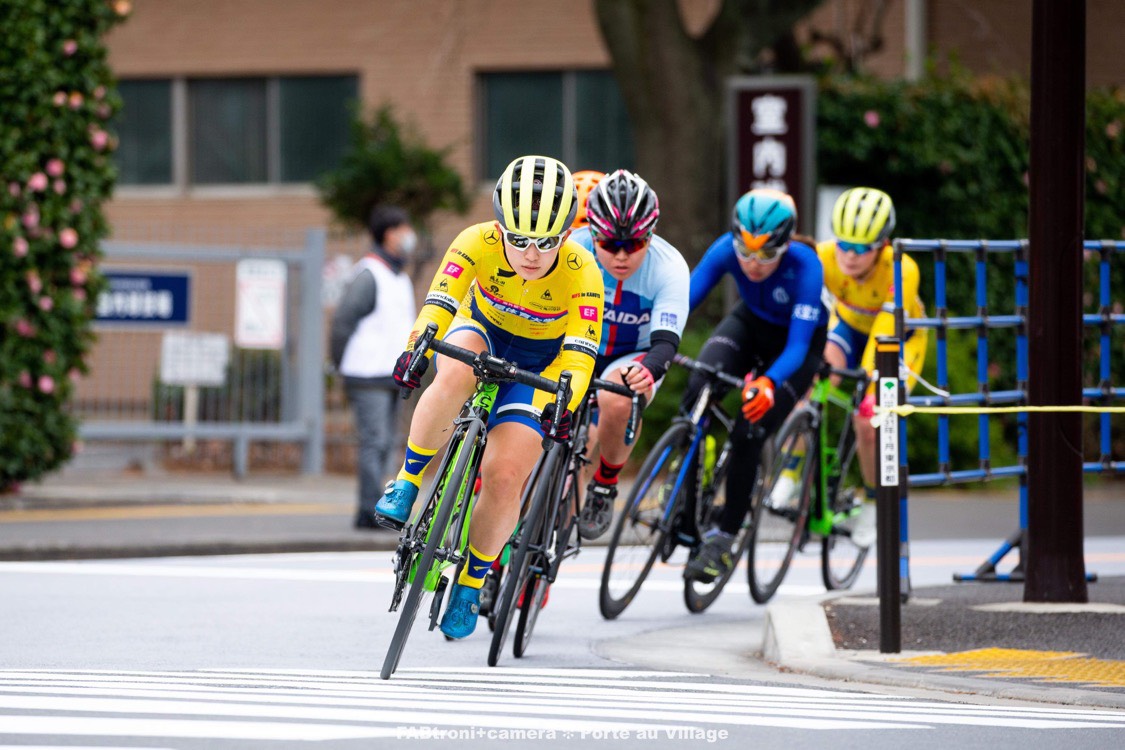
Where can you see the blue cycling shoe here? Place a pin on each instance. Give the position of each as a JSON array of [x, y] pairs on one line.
[[393, 509], [460, 618]]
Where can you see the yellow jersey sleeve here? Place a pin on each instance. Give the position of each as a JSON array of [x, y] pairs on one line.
[[585, 308], [914, 347], [458, 269]]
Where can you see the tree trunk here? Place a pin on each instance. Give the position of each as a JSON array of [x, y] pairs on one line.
[[675, 113], [673, 87]]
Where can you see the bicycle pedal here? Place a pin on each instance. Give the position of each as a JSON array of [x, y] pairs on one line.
[[389, 523]]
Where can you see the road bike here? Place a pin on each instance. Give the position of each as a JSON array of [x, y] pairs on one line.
[[438, 535], [817, 445], [545, 536], [677, 496]]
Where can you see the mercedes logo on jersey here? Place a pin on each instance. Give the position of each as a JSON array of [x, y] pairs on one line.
[[491, 237], [573, 261]]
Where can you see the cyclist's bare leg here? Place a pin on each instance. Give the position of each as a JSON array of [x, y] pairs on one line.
[[613, 416], [835, 357], [513, 449], [432, 423]]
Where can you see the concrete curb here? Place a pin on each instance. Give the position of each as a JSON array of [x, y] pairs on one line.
[[798, 639]]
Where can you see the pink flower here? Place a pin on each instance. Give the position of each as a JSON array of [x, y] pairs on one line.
[[59, 98], [871, 117], [76, 99], [49, 357], [69, 47], [1101, 187], [79, 294], [68, 238], [25, 379], [46, 304], [19, 247], [98, 139], [77, 276], [75, 374], [14, 189], [104, 111], [31, 217], [55, 167], [24, 328], [34, 283], [99, 92], [122, 7], [59, 186], [37, 183], [1113, 129], [76, 205], [46, 384]]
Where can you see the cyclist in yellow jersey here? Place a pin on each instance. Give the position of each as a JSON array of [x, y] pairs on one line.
[[537, 301], [859, 273]]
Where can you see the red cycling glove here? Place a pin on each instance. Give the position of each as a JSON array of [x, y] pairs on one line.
[[757, 397]]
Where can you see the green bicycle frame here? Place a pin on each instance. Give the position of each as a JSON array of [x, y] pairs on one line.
[[481, 406], [822, 519]]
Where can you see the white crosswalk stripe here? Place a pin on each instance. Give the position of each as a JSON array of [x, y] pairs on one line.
[[501, 703]]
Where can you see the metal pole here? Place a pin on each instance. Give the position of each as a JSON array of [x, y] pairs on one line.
[[1055, 566], [311, 356], [887, 498]]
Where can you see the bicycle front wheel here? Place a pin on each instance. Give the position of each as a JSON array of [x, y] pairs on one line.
[[781, 509], [534, 592], [841, 559], [643, 526], [448, 488], [519, 568]]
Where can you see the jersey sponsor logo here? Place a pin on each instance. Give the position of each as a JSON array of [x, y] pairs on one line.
[[443, 286], [580, 295], [491, 237], [452, 269], [588, 313], [573, 262], [546, 294], [780, 296], [466, 256], [444, 301], [806, 312], [622, 318], [494, 289], [668, 319], [576, 344], [591, 333]]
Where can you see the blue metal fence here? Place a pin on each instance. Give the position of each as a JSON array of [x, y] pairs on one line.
[[984, 322]]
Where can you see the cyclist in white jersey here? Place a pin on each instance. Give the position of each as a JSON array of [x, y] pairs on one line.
[[647, 288]]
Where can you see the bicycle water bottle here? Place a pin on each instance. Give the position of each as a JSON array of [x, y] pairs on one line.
[[708, 459]]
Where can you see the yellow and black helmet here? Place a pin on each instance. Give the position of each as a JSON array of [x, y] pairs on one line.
[[535, 197], [863, 216]]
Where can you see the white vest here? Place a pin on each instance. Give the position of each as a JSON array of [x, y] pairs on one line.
[[381, 335]]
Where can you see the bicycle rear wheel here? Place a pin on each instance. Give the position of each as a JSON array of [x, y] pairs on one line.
[[448, 488], [841, 560], [642, 528], [520, 563], [778, 523], [699, 596]]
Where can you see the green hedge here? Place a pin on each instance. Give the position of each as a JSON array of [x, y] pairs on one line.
[[55, 172]]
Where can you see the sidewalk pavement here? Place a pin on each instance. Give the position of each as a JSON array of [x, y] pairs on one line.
[[972, 638], [965, 638]]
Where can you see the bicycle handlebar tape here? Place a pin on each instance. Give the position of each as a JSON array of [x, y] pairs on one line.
[[887, 446]]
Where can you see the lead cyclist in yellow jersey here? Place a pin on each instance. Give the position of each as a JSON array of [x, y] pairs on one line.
[[537, 302], [859, 272]]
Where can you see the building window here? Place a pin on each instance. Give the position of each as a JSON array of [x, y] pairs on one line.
[[144, 126], [235, 131], [577, 116]]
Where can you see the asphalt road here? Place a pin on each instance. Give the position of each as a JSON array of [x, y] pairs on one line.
[[280, 650]]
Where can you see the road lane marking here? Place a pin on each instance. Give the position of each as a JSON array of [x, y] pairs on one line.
[[144, 512]]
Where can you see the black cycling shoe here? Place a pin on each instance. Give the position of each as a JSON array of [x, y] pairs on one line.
[[597, 513], [713, 560]]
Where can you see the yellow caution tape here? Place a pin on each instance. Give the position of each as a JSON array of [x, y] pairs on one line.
[[906, 410]]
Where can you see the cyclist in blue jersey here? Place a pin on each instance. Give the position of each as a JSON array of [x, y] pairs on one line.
[[774, 337], [646, 305]]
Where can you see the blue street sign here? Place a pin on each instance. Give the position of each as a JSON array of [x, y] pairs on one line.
[[146, 297]]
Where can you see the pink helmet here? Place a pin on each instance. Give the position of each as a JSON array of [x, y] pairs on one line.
[[622, 207]]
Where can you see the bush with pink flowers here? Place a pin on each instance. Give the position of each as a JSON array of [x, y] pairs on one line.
[[55, 173]]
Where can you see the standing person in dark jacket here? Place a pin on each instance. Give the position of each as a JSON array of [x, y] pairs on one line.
[[371, 322]]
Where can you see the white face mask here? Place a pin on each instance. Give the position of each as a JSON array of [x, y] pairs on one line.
[[408, 243]]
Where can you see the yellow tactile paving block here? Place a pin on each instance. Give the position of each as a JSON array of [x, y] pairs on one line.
[[1042, 666]]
